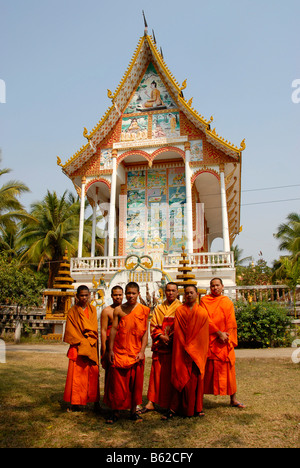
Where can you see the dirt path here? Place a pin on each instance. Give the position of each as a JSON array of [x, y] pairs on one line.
[[62, 348]]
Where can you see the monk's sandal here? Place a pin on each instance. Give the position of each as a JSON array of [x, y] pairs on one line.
[[169, 415]]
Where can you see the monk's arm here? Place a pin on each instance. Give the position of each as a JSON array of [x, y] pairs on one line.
[[104, 326], [112, 335], [141, 355], [231, 326], [156, 330], [213, 329]]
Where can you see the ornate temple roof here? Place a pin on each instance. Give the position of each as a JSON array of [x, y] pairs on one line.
[[146, 52]]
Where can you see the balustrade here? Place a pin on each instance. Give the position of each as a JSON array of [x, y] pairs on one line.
[[197, 260]]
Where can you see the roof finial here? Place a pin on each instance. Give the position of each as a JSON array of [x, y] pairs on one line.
[[154, 38], [161, 53], [145, 23]]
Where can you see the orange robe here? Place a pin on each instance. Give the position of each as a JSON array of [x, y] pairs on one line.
[[159, 390], [155, 99], [104, 360], [82, 383], [125, 377], [220, 378], [190, 348]]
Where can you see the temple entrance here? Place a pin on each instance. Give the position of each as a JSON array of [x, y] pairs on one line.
[[155, 215]]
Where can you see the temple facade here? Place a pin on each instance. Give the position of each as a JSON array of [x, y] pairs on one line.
[[160, 176]]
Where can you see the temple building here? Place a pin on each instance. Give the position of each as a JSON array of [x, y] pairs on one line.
[[161, 177]]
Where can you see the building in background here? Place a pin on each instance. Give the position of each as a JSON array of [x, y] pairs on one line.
[[161, 177]]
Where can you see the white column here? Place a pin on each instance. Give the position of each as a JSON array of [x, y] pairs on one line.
[[112, 208], [94, 230], [81, 220], [189, 206], [226, 241]]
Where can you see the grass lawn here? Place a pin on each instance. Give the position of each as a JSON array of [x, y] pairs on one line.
[[33, 414]]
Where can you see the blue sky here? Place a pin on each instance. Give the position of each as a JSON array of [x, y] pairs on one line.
[[240, 58]]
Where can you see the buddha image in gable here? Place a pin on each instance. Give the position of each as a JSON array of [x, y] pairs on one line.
[[155, 99], [150, 95], [134, 129]]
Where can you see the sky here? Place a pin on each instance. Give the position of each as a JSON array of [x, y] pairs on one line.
[[241, 61]]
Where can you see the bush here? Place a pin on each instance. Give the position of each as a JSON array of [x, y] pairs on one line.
[[262, 325]]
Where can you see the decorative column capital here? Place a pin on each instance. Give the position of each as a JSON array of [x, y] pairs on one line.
[[83, 180], [114, 153], [222, 167], [187, 146]]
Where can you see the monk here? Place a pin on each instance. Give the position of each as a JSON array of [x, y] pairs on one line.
[[190, 348], [106, 320], [127, 343], [82, 383], [161, 330], [155, 98], [220, 377]]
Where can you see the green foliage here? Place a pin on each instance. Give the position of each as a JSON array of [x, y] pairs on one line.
[[262, 325], [11, 211], [254, 274], [289, 235], [19, 285]]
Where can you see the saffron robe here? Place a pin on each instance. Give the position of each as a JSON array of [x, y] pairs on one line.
[[104, 360], [160, 387], [125, 378], [82, 383], [220, 377], [190, 348], [155, 99]]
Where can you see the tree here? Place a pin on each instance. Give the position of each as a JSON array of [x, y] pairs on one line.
[[52, 229], [11, 210], [19, 286], [289, 235], [288, 268], [289, 272], [238, 259], [255, 274]]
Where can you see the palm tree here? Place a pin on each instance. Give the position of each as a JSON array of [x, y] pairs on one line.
[[237, 253], [8, 241], [52, 229], [289, 235], [11, 210], [289, 270]]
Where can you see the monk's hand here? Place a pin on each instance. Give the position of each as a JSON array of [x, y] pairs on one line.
[[111, 357], [140, 356], [165, 339], [223, 336], [104, 359]]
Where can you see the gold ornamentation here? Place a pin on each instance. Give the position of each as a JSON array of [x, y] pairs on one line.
[[243, 145], [183, 86], [85, 134], [146, 264]]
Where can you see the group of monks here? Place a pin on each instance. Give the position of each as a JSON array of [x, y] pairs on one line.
[[192, 351]]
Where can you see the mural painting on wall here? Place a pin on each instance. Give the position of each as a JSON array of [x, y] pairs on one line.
[[177, 204], [134, 128], [155, 210], [136, 211], [151, 94], [196, 150], [105, 159], [165, 125]]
